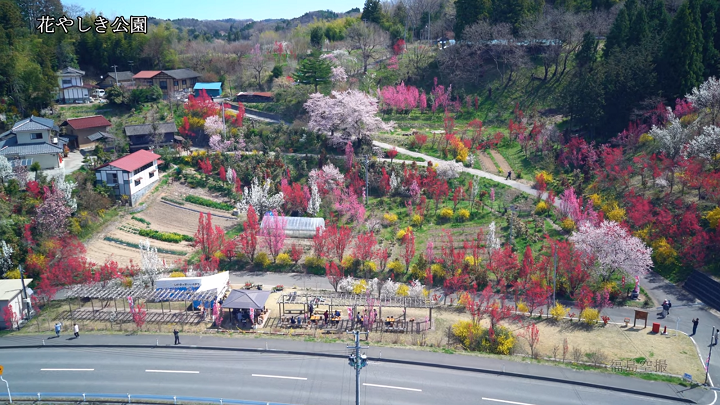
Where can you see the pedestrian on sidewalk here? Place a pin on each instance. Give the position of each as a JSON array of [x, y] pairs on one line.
[[509, 176], [669, 306], [58, 326], [76, 329], [665, 308], [177, 336], [695, 324], [717, 332]]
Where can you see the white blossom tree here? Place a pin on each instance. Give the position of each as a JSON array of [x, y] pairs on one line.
[[5, 169], [213, 125], [344, 116], [707, 144], [328, 178], [672, 138], [448, 170], [151, 266], [613, 248], [231, 175], [417, 289], [6, 262], [66, 187], [395, 182], [260, 197], [707, 96], [314, 202], [389, 289], [338, 74], [346, 285], [492, 242]]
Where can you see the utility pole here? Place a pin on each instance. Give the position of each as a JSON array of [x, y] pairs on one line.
[[707, 363], [367, 184], [117, 83], [357, 361], [25, 309], [131, 65]]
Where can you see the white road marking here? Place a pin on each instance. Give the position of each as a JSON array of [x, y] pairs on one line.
[[505, 402], [172, 371], [67, 369], [394, 388], [279, 376]]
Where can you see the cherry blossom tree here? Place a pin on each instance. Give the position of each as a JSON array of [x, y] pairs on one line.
[[53, 213], [338, 75], [248, 238], [400, 98], [326, 179], [707, 96], [260, 197], [673, 137], [272, 232], [6, 262], [218, 145], [344, 116], [333, 274], [313, 206], [447, 170], [346, 203], [613, 248], [151, 266], [707, 144], [213, 125]]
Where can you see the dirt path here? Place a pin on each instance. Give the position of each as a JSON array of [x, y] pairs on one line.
[[501, 161], [487, 164]]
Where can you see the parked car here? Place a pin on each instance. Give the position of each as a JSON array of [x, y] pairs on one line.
[[99, 93]]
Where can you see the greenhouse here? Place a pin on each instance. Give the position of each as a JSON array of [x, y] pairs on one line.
[[298, 227]]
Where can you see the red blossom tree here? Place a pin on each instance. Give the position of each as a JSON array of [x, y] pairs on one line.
[[296, 253], [139, 315], [208, 238], [531, 334], [364, 249], [321, 245], [338, 239], [222, 173], [272, 233], [392, 153], [248, 238], [205, 166], [408, 252], [10, 317], [504, 264], [333, 274]]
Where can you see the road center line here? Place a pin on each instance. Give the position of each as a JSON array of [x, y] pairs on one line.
[[279, 376], [505, 402], [172, 371], [394, 388], [67, 369]]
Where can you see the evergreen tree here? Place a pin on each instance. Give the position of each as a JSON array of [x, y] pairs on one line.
[[587, 54], [313, 71], [468, 12], [317, 36], [682, 57], [372, 12], [619, 33], [711, 56], [640, 30], [658, 17]]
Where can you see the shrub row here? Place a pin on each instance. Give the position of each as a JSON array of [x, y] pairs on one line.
[[171, 237], [208, 203], [141, 220], [172, 200], [135, 245]]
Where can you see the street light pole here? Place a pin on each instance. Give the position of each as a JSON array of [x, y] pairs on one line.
[[367, 184], [25, 309], [357, 361], [707, 363], [117, 83]]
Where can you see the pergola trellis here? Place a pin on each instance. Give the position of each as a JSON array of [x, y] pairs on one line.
[[152, 295], [354, 300]]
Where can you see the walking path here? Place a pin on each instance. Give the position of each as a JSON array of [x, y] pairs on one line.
[[510, 183]]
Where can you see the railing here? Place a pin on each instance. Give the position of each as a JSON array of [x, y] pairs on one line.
[[75, 397]]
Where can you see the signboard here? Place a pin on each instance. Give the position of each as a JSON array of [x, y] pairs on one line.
[[687, 377], [1, 370]]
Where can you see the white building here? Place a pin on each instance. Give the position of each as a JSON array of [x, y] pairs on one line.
[[11, 295], [32, 140], [71, 88], [132, 176]]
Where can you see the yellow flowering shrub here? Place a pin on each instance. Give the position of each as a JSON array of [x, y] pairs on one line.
[[262, 259], [596, 199], [371, 265], [437, 270], [567, 225], [559, 311], [541, 208], [127, 282], [590, 316], [360, 287], [663, 253], [390, 218], [313, 261], [615, 213], [446, 213], [463, 214], [284, 259], [643, 234], [464, 299], [544, 175], [467, 333], [177, 274], [470, 261], [713, 217], [461, 152], [645, 138], [396, 266], [347, 262], [13, 274], [400, 234], [403, 290], [417, 220], [522, 307]]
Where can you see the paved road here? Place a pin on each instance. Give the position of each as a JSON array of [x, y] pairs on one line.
[[277, 377]]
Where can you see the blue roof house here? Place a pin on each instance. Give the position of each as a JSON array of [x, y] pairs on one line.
[[212, 89]]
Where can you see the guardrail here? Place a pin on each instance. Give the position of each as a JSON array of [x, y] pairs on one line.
[[74, 397]]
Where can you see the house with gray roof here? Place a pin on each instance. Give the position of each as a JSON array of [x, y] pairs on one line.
[[34, 139], [123, 78], [71, 88], [170, 81], [147, 136]]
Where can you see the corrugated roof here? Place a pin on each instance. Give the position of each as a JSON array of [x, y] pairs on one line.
[[124, 76], [82, 86], [100, 135], [9, 289], [146, 74], [208, 86], [25, 149], [145, 129], [71, 71], [34, 123], [88, 122], [181, 74], [134, 160]]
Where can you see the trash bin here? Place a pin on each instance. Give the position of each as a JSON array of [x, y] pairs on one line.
[[656, 327]]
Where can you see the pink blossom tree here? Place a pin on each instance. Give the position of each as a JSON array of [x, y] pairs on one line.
[[213, 125], [272, 233], [613, 248], [218, 145], [349, 155], [52, 214], [338, 75], [346, 203]]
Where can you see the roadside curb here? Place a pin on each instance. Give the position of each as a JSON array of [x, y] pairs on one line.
[[378, 360]]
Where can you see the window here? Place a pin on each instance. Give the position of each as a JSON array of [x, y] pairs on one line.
[[67, 82], [36, 135], [112, 178], [163, 84], [137, 182], [152, 174], [145, 167], [175, 83], [149, 82], [184, 82]]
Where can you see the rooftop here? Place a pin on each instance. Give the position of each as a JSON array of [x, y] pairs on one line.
[[87, 122], [146, 74], [211, 86], [11, 288], [71, 71], [146, 129], [181, 73], [33, 124], [10, 147], [125, 76], [134, 160], [100, 135], [256, 93]]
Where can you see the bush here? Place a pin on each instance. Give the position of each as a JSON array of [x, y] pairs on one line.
[[463, 214], [396, 266], [615, 213], [360, 287], [390, 218], [567, 225], [313, 262], [590, 316], [171, 237], [521, 307], [417, 220], [437, 270], [172, 200], [446, 213], [403, 290], [400, 234], [141, 220], [209, 203], [541, 208], [559, 311], [262, 259], [474, 337], [284, 259], [177, 274], [470, 260], [713, 217], [543, 175], [347, 262]]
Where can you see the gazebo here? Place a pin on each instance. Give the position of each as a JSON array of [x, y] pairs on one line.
[[251, 302]]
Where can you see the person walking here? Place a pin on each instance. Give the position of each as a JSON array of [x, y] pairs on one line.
[[695, 325], [177, 336], [717, 334], [326, 315], [665, 308], [76, 330], [669, 306], [509, 176], [58, 326]]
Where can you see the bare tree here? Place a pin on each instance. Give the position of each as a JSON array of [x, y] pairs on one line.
[[257, 63], [369, 39], [507, 52]]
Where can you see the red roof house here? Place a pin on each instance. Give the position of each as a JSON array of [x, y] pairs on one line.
[[80, 130], [131, 176]]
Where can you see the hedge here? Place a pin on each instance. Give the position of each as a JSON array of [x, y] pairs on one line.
[[209, 203], [141, 220], [171, 237]]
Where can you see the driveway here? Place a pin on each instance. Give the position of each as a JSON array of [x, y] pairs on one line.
[[73, 162]]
